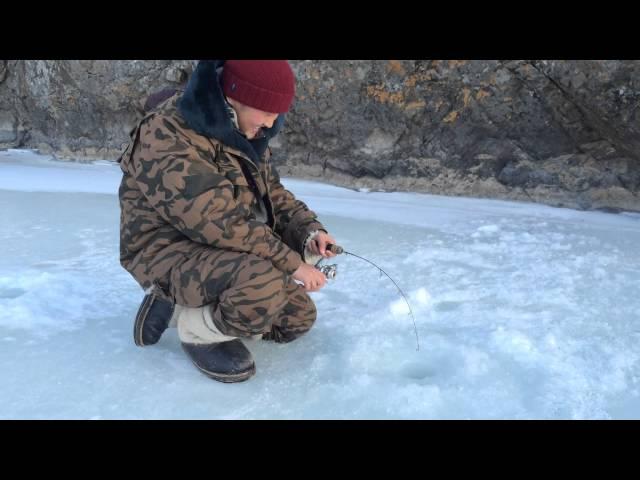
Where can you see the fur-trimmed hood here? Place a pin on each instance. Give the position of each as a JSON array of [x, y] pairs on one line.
[[204, 109]]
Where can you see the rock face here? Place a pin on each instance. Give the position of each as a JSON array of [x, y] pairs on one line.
[[78, 109], [564, 133]]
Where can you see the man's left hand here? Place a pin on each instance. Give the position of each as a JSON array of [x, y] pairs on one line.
[[318, 245]]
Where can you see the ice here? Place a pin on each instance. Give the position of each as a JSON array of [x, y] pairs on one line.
[[522, 311]]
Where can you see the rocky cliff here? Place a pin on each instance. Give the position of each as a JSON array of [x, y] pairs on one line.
[[557, 132]]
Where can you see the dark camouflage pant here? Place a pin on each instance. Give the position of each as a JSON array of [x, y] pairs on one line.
[[247, 295]]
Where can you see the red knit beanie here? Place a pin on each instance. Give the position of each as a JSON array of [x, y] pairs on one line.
[[268, 85]]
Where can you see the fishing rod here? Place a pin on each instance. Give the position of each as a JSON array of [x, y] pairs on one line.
[[330, 271]]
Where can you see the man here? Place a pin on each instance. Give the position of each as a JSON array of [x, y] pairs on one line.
[[208, 230]]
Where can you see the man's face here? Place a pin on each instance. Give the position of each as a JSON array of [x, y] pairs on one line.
[[251, 120]]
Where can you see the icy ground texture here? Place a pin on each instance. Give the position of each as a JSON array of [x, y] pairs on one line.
[[523, 311]]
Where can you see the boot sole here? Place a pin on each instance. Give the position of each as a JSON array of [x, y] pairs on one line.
[[225, 377], [228, 377]]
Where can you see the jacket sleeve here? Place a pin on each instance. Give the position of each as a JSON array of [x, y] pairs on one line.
[[191, 194], [294, 220]]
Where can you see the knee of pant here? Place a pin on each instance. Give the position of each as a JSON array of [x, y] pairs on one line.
[[308, 321]]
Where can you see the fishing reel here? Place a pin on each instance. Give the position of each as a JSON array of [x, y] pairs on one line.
[[330, 271]]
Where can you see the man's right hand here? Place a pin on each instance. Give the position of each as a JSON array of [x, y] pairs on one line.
[[312, 278]]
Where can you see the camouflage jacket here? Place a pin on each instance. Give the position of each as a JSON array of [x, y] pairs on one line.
[[192, 181]]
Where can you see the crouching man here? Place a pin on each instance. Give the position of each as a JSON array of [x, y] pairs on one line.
[[223, 251]]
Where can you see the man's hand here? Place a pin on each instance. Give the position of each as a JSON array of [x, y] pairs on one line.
[[318, 245], [312, 278]]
